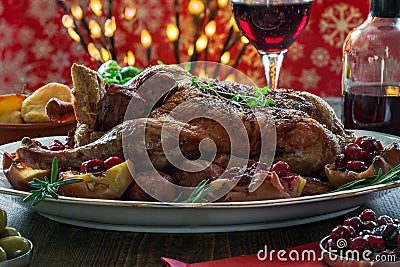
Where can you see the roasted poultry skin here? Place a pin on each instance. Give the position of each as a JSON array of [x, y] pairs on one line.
[[160, 100], [308, 133]]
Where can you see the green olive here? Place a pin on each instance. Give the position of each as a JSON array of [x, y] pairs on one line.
[[3, 220], [10, 231], [3, 254], [15, 246]]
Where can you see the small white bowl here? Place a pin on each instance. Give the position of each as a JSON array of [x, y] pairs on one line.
[[21, 261]]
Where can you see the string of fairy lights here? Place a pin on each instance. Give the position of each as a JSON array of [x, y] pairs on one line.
[[95, 30]]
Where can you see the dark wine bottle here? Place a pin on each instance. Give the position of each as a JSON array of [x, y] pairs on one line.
[[371, 71]]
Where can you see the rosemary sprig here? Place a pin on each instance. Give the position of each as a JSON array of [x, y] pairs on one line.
[[258, 99], [198, 194], [48, 187], [391, 176]]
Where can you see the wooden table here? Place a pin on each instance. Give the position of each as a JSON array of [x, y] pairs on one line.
[[58, 244]]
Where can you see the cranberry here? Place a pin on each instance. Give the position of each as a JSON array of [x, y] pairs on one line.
[[356, 166], [389, 232], [384, 219], [378, 230], [352, 231], [398, 240], [68, 147], [281, 168], [352, 151], [365, 155], [112, 161], [56, 145], [360, 139], [358, 243], [368, 215], [370, 225], [369, 144], [340, 231], [340, 162], [377, 243], [92, 166], [379, 145], [354, 222]]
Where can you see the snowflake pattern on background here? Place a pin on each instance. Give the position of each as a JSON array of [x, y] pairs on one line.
[[309, 78], [296, 51], [337, 21], [320, 57]]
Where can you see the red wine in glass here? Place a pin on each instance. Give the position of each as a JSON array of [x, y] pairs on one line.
[[272, 28]]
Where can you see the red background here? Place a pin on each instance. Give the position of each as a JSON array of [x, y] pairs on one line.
[[35, 48]]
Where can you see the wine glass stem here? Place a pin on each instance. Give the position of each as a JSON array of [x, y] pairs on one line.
[[272, 66]]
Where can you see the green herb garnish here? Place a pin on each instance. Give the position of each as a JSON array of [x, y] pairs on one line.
[[23, 89], [112, 73], [258, 99], [48, 188], [198, 194], [391, 176]]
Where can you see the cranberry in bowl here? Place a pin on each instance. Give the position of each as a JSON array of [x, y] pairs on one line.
[[363, 240]]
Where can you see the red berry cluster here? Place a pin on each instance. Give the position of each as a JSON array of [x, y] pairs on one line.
[[98, 166], [367, 232], [358, 156], [55, 146], [281, 168]]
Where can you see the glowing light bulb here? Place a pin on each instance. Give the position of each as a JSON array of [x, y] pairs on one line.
[[129, 12], [210, 28], [105, 54], [110, 27], [201, 43], [172, 32], [225, 57], [96, 7], [67, 21], [244, 40], [145, 39], [190, 50], [232, 20], [235, 27], [95, 29], [222, 3], [72, 33], [130, 58], [195, 7], [93, 51], [76, 11]]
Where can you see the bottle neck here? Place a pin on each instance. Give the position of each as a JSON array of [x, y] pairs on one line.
[[385, 8]]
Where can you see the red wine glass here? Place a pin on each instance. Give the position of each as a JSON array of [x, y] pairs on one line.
[[272, 26]]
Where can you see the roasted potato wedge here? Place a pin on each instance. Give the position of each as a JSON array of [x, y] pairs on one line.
[[110, 184], [19, 175]]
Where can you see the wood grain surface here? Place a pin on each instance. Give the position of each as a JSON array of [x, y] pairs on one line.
[[58, 244]]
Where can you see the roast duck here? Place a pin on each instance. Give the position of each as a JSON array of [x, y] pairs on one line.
[[308, 133]]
